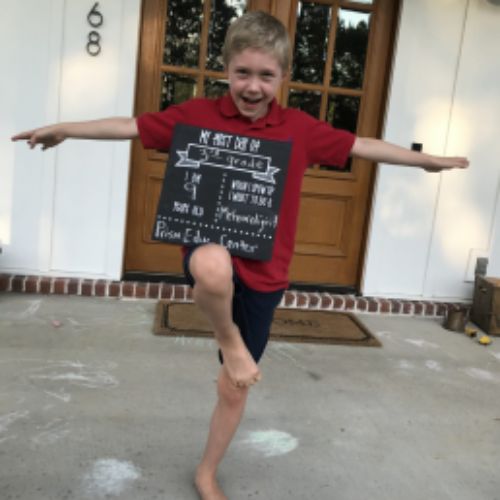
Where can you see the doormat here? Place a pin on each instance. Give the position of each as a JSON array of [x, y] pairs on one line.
[[293, 325]]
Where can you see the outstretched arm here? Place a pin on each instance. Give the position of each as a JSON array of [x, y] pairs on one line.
[[117, 128], [384, 152]]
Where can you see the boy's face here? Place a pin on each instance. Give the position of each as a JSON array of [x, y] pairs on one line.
[[254, 78]]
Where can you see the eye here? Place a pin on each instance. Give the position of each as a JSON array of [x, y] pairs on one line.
[[267, 75]]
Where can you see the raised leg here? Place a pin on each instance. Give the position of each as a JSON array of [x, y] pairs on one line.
[[225, 420], [211, 268]]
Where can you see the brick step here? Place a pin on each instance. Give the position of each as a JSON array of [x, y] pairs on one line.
[[292, 298]]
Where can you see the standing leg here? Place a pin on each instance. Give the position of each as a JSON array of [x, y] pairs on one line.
[[211, 268], [225, 420]]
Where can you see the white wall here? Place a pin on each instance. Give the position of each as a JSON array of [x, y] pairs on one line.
[[427, 229], [63, 211]]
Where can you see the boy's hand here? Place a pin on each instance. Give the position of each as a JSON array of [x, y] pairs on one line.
[[447, 163], [48, 137]]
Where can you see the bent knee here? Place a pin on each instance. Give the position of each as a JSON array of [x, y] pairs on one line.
[[211, 267], [230, 394]]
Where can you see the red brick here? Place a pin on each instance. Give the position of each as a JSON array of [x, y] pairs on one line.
[[384, 306], [441, 309], [73, 285], [115, 289], [141, 290], [407, 307], [290, 298], [154, 290], [430, 309], [60, 286], [361, 304], [339, 302], [418, 308], [128, 289], [350, 303], [314, 300], [179, 292], [45, 284], [18, 283], [5, 282], [326, 301], [395, 307], [101, 288], [31, 285], [302, 300], [373, 306], [87, 288], [189, 293], [166, 291]]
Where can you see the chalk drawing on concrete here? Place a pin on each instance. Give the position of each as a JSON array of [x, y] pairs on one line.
[[404, 364], [60, 394], [92, 376], [384, 334], [11, 418], [433, 365], [51, 432], [109, 477], [480, 374], [271, 443], [422, 343]]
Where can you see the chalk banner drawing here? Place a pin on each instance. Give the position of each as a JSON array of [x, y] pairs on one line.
[[222, 188]]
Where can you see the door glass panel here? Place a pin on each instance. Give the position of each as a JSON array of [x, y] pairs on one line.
[[183, 29], [176, 89], [222, 13], [311, 42], [215, 88], [342, 112], [307, 101], [350, 49]]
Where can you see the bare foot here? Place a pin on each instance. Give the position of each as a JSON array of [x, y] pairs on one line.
[[239, 364], [207, 487]]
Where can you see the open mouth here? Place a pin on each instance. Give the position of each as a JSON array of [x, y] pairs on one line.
[[251, 100]]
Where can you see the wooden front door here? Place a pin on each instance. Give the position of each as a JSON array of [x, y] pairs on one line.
[[341, 53]]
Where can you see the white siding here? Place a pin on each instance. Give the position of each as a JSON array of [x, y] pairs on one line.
[[63, 212], [427, 230]]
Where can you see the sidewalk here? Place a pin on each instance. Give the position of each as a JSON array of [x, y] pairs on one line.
[[92, 406]]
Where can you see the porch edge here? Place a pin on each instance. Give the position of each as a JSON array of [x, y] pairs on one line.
[[292, 299]]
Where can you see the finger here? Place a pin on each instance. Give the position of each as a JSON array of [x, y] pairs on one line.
[[21, 136]]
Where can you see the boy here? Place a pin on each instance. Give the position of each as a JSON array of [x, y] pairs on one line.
[[238, 295]]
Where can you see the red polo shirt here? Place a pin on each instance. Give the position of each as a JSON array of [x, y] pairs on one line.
[[313, 141]]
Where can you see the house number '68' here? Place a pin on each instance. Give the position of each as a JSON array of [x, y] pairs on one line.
[[95, 19]]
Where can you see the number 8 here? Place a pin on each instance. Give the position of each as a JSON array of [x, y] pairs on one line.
[[93, 46]]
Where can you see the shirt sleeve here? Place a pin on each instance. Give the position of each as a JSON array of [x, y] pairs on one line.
[[328, 145], [156, 129]]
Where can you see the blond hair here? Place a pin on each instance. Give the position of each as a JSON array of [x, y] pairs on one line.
[[257, 30]]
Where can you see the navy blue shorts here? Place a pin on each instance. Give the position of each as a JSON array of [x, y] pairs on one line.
[[252, 311]]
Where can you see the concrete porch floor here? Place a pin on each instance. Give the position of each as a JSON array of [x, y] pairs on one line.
[[98, 407]]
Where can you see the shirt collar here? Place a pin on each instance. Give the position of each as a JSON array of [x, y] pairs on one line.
[[228, 109]]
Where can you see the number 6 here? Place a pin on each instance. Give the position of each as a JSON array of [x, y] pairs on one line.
[[94, 13]]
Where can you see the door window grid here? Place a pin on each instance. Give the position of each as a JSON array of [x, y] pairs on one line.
[[330, 42], [329, 88], [194, 35]]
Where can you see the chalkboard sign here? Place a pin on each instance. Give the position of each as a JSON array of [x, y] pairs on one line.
[[222, 188]]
